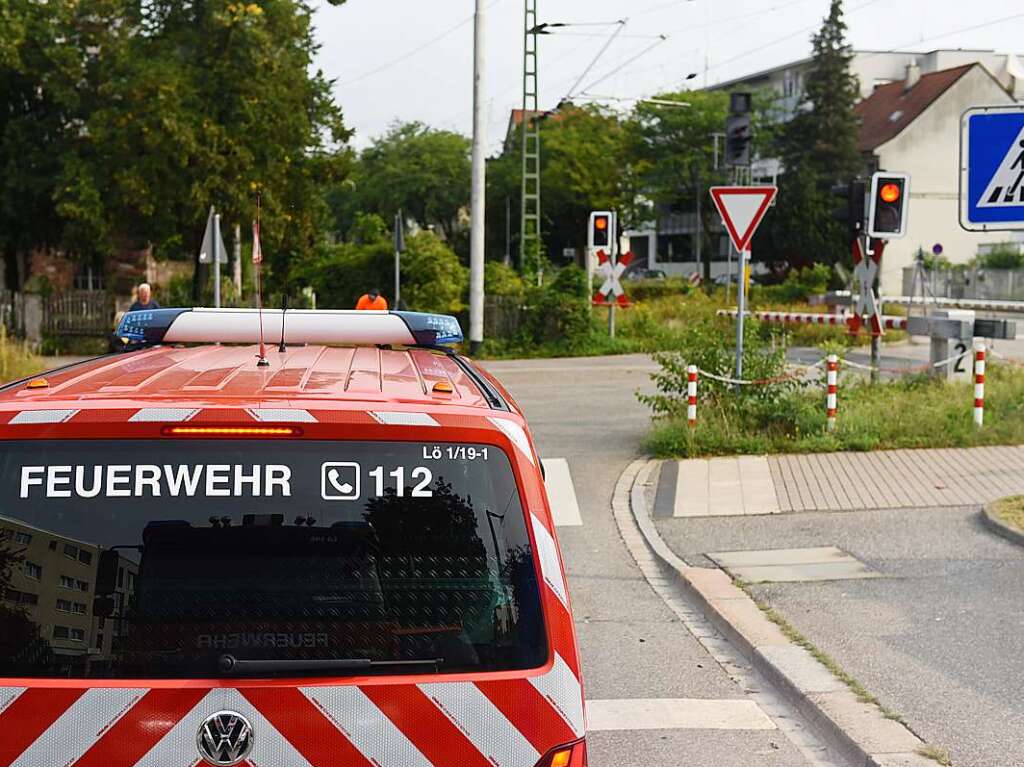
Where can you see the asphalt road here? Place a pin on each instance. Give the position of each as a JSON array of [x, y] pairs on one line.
[[633, 646], [939, 638]]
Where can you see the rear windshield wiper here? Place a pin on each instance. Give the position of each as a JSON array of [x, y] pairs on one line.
[[229, 664]]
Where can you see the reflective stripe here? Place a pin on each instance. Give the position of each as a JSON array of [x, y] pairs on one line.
[[8, 695], [515, 433], [163, 415], [178, 747], [563, 691], [376, 736], [550, 567], [79, 727], [281, 415], [391, 418], [43, 416], [481, 721]]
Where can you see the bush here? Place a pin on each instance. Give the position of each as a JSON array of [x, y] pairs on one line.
[[502, 280], [433, 280], [798, 285], [646, 290], [1003, 257]]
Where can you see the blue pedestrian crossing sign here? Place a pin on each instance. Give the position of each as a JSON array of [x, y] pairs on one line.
[[992, 168]]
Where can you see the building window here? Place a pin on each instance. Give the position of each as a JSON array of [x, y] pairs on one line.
[[61, 632], [21, 597], [78, 608], [67, 582], [82, 585], [85, 557], [63, 605], [20, 537], [53, 545], [99, 641], [78, 635], [32, 570], [120, 577]]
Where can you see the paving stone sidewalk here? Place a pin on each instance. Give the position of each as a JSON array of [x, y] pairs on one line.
[[886, 479]]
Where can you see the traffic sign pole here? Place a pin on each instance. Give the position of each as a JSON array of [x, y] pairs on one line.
[[741, 304]]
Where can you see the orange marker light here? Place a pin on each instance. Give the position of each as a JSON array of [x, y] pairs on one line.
[[889, 192], [561, 758], [443, 387], [38, 383], [231, 431]]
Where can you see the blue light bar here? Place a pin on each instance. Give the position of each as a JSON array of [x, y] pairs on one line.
[[147, 327], [302, 326], [432, 329]]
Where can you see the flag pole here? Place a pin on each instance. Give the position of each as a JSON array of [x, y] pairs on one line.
[[257, 259]]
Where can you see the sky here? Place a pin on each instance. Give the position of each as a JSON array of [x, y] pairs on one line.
[[412, 59]]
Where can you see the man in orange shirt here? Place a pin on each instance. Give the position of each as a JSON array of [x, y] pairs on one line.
[[372, 301]]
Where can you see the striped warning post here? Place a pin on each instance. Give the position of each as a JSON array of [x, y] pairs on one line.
[[979, 383], [691, 395], [832, 380]]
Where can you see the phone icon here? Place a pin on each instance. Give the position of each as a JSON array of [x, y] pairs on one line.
[[339, 481]]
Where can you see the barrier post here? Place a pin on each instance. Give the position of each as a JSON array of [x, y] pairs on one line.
[[831, 380], [979, 383], [691, 395]]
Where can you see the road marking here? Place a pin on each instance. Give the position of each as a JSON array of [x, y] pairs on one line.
[[676, 714], [827, 563], [723, 487], [565, 509]]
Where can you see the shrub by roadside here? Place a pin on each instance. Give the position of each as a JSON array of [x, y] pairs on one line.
[[915, 412]]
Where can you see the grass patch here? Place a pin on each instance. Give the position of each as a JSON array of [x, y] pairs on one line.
[[1011, 511], [940, 755], [794, 636], [16, 359], [915, 412]]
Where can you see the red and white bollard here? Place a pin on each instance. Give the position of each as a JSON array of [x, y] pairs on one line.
[[691, 395], [979, 383], [831, 399]]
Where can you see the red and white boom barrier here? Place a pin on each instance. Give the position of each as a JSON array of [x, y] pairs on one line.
[[812, 318], [979, 383]]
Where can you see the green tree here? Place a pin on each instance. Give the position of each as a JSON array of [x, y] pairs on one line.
[[818, 148], [584, 167], [433, 280], [673, 154], [419, 170]]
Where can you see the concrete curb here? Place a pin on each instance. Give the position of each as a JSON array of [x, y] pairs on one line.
[[1000, 528], [857, 731]]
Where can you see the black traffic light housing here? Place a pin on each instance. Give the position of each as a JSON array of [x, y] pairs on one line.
[[600, 234], [890, 197], [738, 131], [851, 206]]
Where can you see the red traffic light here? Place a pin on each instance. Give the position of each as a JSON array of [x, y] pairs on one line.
[[601, 223], [890, 193]]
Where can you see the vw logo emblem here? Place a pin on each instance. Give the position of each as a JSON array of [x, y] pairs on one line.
[[225, 739]]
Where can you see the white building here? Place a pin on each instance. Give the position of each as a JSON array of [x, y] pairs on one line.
[[913, 126], [876, 68]]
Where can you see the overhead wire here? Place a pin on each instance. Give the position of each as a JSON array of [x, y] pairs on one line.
[[411, 53]]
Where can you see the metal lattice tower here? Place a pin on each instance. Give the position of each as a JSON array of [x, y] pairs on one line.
[[529, 222]]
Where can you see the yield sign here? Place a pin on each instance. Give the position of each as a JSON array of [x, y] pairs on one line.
[[742, 208]]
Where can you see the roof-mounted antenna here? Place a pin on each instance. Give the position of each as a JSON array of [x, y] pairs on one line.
[[284, 310], [257, 259]]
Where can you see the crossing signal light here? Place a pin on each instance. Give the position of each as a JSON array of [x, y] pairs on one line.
[[890, 195], [600, 233], [851, 206], [737, 140]]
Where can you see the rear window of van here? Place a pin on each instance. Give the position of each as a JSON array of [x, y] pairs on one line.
[[213, 559]]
